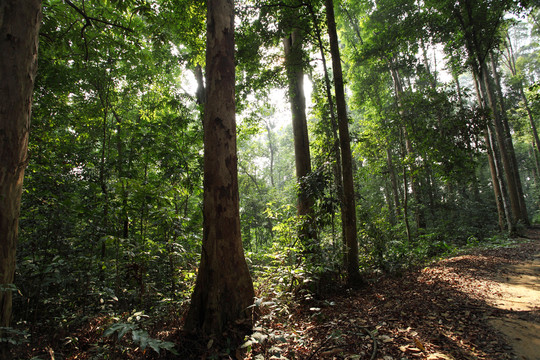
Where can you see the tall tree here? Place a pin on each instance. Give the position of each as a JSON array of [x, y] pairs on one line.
[[224, 289], [476, 27], [349, 204], [19, 28], [295, 74]]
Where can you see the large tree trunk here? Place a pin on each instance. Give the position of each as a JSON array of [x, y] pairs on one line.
[[295, 73], [224, 289], [19, 28], [349, 205]]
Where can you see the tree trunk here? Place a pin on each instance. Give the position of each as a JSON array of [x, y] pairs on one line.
[[224, 289], [295, 73], [338, 174], [418, 206], [496, 181], [487, 87], [19, 29], [509, 143], [394, 181], [513, 70], [349, 205]]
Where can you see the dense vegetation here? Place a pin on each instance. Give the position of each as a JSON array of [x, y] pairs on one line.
[[443, 100]]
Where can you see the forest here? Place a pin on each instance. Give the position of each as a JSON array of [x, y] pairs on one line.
[[200, 175]]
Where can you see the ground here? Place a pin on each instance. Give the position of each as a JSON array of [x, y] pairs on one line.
[[481, 305]]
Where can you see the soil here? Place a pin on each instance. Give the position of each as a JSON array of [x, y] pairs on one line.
[[481, 305], [484, 304]]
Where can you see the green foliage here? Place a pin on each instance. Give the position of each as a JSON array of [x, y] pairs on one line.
[[111, 215], [13, 336], [139, 337]]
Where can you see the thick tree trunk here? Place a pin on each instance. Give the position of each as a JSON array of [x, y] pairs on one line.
[[19, 28], [349, 205], [224, 289], [295, 73]]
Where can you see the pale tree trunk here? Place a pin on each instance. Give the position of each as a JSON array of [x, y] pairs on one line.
[[295, 73], [224, 289], [19, 28], [487, 88], [496, 181], [509, 143], [513, 70], [349, 205], [418, 208]]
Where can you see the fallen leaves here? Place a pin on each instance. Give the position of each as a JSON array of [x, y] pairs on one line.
[[435, 313]]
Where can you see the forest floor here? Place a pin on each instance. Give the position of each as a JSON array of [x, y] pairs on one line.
[[484, 304]]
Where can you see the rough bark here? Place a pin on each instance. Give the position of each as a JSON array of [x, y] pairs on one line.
[[349, 205], [19, 28], [224, 289]]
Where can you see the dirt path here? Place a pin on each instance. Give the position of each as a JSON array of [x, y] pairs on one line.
[[520, 293], [483, 305]]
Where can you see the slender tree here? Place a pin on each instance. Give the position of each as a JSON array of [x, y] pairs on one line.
[[224, 289], [349, 204], [19, 28], [295, 74]]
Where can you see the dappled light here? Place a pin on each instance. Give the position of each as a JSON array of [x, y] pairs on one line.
[[269, 179]]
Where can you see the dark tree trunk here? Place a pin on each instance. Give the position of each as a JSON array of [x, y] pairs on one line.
[[19, 28], [338, 177], [349, 205], [224, 289], [394, 181], [295, 73]]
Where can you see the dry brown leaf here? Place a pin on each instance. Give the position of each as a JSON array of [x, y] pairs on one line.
[[419, 344]]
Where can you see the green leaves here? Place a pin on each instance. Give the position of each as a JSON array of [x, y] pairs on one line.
[[139, 337]]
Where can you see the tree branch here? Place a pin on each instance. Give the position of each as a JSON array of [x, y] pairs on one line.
[[90, 19]]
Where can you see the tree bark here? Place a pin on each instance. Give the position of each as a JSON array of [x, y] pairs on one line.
[[418, 206], [513, 70], [487, 87], [496, 181], [338, 177], [19, 29], [295, 73], [509, 144], [224, 289], [349, 204]]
